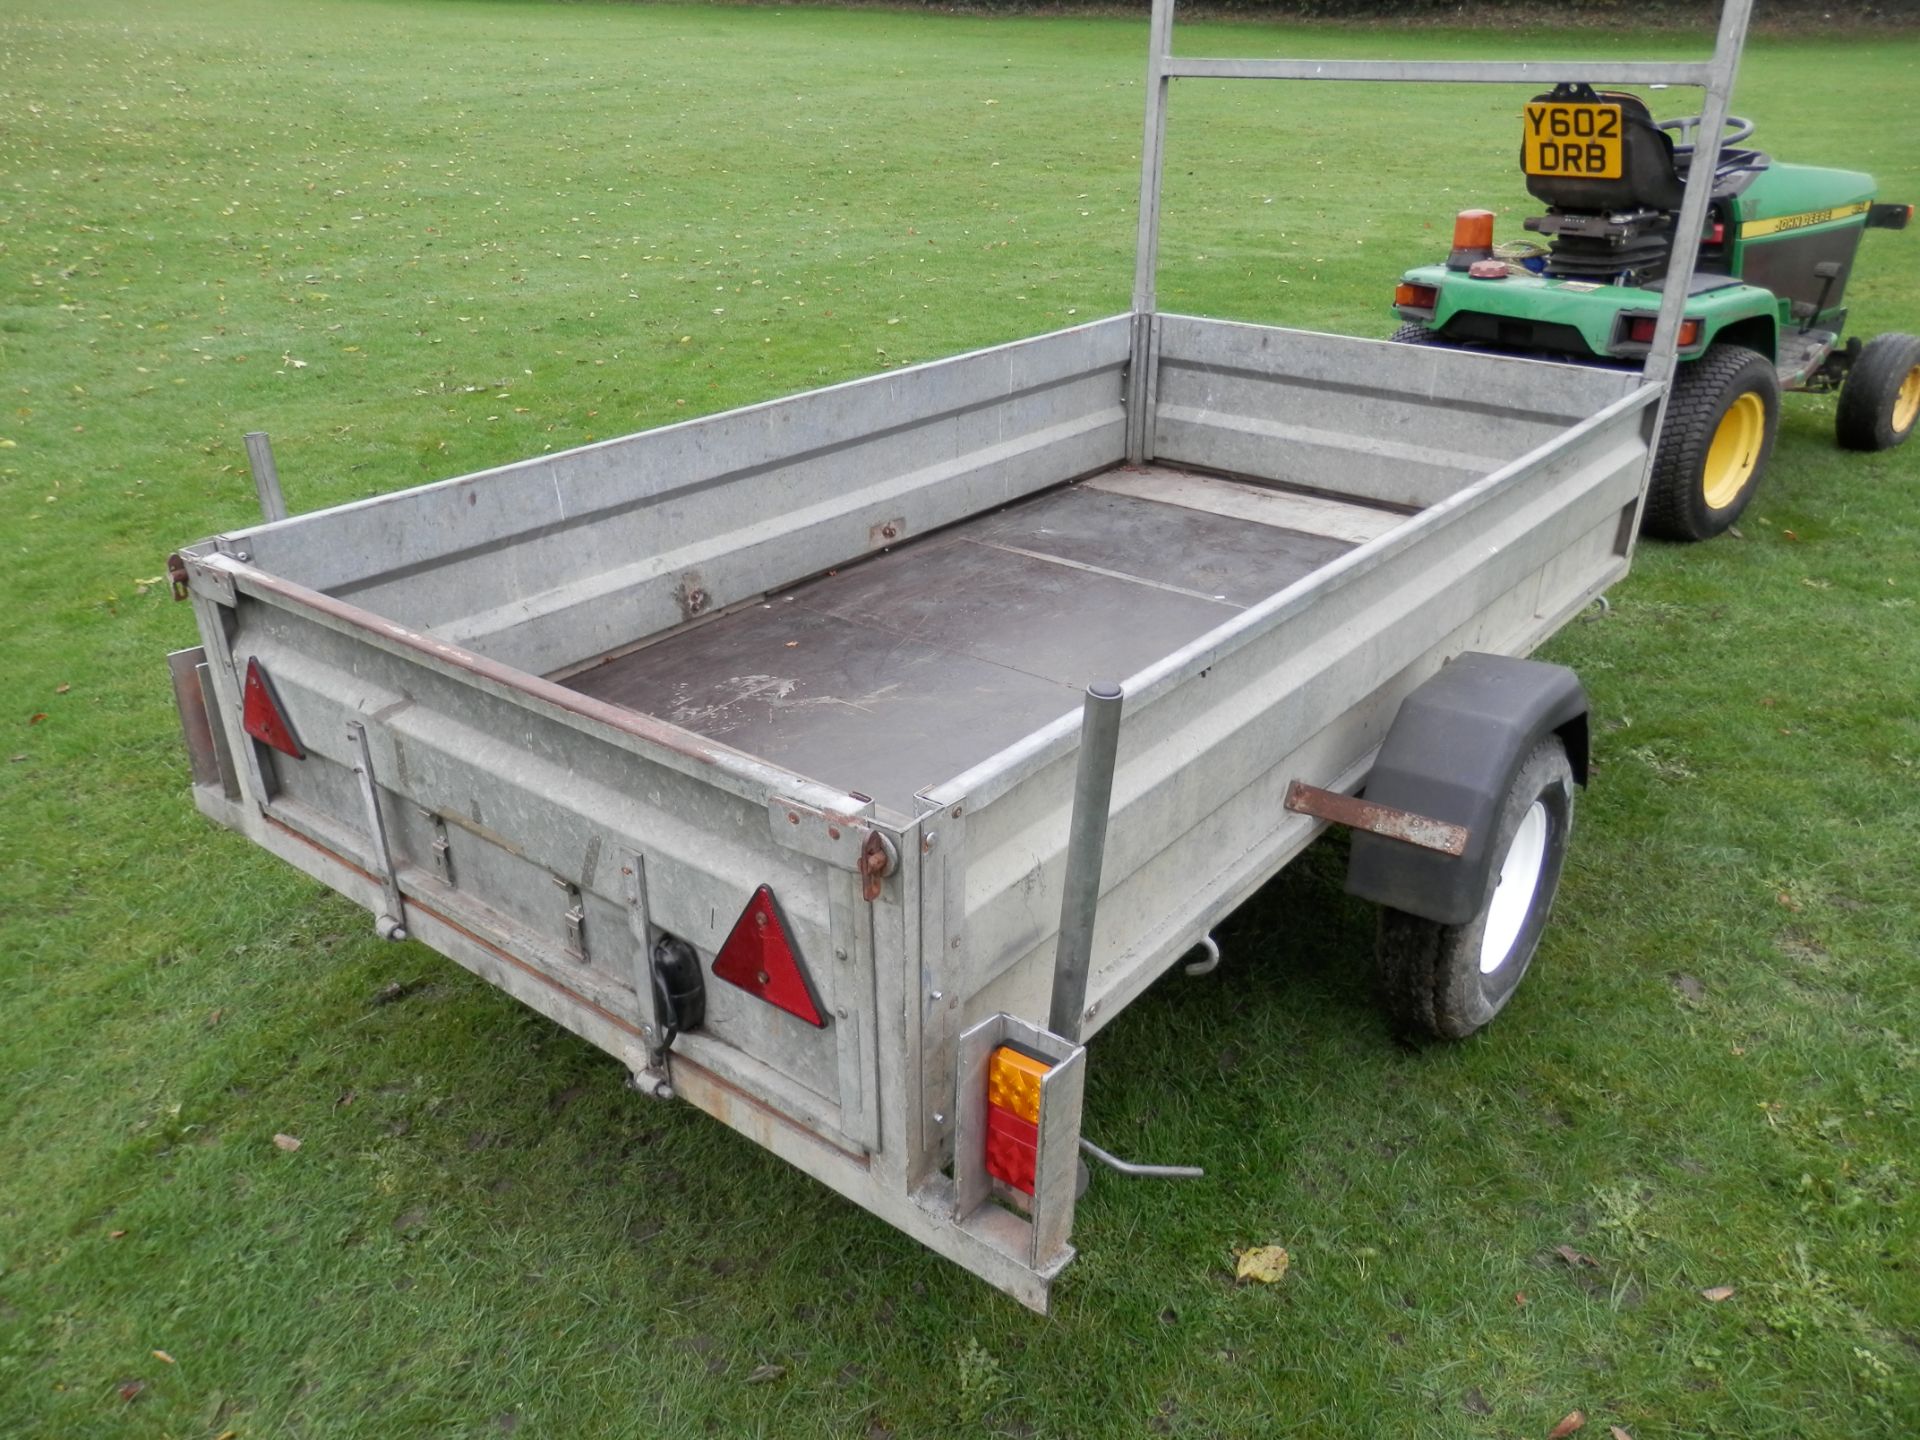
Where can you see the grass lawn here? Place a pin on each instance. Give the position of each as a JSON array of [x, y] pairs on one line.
[[415, 239]]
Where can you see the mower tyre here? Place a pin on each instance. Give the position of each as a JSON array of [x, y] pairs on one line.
[[1713, 449], [1880, 400], [1414, 333]]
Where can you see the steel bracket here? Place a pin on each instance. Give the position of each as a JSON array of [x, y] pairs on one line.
[[653, 1080], [830, 835], [390, 923], [212, 580], [1383, 820], [1056, 1181]]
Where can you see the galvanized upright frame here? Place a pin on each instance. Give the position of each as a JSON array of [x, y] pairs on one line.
[[1715, 76]]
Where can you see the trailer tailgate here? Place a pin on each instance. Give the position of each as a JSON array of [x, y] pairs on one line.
[[559, 835]]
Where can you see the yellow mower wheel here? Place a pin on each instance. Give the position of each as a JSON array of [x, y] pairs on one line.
[[1880, 400], [1714, 446]]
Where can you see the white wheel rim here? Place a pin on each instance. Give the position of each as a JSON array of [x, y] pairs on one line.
[[1513, 896]]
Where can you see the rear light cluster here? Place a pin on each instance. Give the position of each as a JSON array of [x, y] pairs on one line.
[[1013, 1116], [1640, 330]]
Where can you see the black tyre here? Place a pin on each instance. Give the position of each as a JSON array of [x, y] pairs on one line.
[[1715, 445], [1447, 981], [1414, 333], [1881, 397]]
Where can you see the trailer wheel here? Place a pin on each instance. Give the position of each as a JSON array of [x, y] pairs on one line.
[[1714, 446], [1414, 333], [1881, 397], [1447, 981]]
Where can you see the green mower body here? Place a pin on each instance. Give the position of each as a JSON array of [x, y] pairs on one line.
[[1776, 254], [1775, 260]]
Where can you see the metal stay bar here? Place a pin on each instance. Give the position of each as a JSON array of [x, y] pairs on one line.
[[1513, 72], [1714, 76]]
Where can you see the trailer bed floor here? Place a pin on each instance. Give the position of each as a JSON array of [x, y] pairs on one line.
[[903, 671]]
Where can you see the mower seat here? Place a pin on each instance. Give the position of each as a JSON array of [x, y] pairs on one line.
[[1648, 179]]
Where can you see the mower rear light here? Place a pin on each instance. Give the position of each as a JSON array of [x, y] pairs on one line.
[[759, 957], [1415, 297], [263, 717], [1013, 1116], [1640, 330], [1717, 235]]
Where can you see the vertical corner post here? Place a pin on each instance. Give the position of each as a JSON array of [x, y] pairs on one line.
[[1086, 848], [1146, 253], [266, 476], [1663, 361]]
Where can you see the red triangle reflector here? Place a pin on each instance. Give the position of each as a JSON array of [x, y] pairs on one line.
[[262, 717], [759, 957]]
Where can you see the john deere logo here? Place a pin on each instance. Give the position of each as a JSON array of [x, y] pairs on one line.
[[1754, 229]]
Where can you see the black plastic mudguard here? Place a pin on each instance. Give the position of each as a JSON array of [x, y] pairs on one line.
[[1451, 754]]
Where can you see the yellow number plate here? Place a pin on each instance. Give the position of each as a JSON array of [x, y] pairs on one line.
[[1565, 140]]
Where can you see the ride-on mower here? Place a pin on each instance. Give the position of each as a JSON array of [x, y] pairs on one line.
[[1764, 309]]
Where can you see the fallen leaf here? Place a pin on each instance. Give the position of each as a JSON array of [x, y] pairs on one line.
[[163, 1357], [1574, 1258], [1614, 1432], [131, 1389], [1265, 1263], [411, 1223], [286, 1142], [396, 990], [764, 1373], [1475, 1403], [1718, 1293], [1519, 1297], [1789, 902], [116, 1234], [36, 717], [1574, 1420], [62, 688]]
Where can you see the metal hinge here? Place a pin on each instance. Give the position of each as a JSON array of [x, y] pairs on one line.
[[438, 851], [575, 917]]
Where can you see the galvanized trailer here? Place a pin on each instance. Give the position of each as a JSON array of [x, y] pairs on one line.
[[811, 756]]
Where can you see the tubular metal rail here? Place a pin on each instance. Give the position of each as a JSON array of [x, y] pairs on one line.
[[1714, 76]]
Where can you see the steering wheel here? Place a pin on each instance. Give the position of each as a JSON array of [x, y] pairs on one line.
[[1686, 130]]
